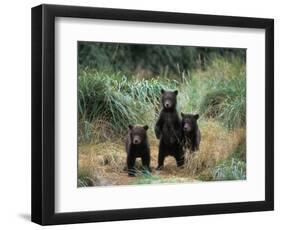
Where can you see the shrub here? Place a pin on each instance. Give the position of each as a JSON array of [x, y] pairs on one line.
[[216, 145], [116, 101], [225, 98], [135, 59], [232, 169]]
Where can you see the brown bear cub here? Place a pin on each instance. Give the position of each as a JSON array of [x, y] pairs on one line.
[[137, 145], [191, 133], [168, 130]]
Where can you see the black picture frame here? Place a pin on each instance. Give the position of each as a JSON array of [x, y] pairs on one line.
[[43, 114]]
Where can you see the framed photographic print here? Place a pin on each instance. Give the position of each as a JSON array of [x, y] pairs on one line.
[[141, 114]]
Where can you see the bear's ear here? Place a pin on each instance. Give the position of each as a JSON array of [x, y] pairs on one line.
[[145, 127], [162, 91], [196, 116], [130, 126], [176, 92]]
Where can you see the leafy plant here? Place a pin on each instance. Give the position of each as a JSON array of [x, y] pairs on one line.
[[117, 100], [225, 98], [233, 169]]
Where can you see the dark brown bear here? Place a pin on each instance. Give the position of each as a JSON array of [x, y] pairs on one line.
[[137, 145], [191, 133], [168, 130]]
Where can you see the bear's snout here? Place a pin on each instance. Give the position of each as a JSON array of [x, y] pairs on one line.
[[136, 140], [187, 127], [167, 104]]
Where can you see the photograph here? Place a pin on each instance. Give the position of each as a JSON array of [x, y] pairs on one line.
[[176, 108], [152, 114]]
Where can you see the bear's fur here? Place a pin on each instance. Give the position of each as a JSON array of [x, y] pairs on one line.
[[168, 130], [190, 132], [137, 145]]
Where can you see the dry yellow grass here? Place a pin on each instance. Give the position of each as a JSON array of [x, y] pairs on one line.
[[216, 145], [103, 163]]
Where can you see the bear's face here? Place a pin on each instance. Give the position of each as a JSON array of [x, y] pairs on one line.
[[169, 99], [138, 134], [189, 122]]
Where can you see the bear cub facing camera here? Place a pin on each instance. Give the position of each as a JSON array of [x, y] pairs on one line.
[[191, 133], [137, 146], [168, 130]]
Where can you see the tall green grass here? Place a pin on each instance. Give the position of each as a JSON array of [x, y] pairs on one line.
[[219, 92], [234, 167], [117, 101], [109, 102], [226, 100]]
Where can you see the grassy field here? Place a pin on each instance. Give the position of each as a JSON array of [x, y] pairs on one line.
[[109, 102]]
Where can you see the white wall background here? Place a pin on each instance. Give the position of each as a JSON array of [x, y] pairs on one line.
[[15, 167]]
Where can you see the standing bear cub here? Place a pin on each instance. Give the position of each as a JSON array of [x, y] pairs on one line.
[[137, 145], [191, 133], [168, 130]]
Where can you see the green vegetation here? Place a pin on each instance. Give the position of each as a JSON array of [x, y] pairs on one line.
[[116, 101], [230, 170], [144, 60], [226, 92], [119, 88], [84, 178], [156, 179], [234, 167]]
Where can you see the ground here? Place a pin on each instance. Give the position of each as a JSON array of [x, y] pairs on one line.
[[103, 163], [111, 177]]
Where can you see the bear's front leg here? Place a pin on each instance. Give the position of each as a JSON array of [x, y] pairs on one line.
[[194, 145], [179, 155], [157, 131], [158, 128], [146, 162], [161, 156], [131, 165]]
